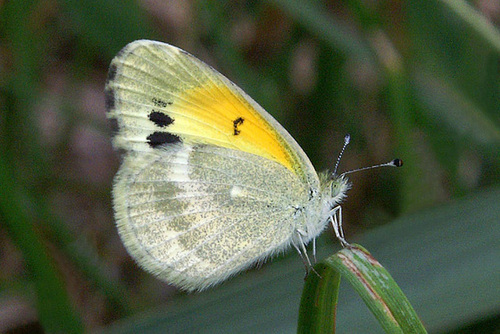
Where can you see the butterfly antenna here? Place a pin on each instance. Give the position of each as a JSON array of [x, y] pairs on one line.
[[393, 163], [347, 139]]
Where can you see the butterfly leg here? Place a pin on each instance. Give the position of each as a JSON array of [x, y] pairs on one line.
[[304, 261], [304, 256], [314, 250], [336, 220]]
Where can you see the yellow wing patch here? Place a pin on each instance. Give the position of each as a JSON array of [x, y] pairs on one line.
[[214, 114], [160, 94]]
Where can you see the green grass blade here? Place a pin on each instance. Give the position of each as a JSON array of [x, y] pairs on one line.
[[378, 290], [371, 281], [318, 305]]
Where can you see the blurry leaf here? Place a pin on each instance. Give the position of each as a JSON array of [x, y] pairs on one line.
[[55, 311], [456, 62], [85, 258], [107, 24], [414, 180], [448, 106], [313, 17], [21, 84], [475, 21]]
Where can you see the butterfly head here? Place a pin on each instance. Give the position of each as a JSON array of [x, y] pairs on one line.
[[333, 188]]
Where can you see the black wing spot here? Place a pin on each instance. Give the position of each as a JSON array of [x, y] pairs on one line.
[[236, 123], [160, 103], [159, 138], [109, 99], [121, 53], [109, 93], [160, 118], [114, 125], [111, 73]]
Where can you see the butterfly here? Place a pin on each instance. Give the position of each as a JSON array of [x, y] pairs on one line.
[[210, 183]]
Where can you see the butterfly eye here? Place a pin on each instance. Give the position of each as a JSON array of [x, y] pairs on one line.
[[334, 188]]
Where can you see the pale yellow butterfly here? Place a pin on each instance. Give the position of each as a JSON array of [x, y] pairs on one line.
[[210, 183]]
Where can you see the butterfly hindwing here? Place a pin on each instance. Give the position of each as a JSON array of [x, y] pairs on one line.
[[194, 215]]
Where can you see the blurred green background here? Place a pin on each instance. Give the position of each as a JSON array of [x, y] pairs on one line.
[[414, 80]]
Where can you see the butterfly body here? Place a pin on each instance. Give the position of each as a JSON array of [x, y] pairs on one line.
[[210, 183]]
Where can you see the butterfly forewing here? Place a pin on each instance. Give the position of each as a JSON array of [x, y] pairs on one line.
[[161, 94]]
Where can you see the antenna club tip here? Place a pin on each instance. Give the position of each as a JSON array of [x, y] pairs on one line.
[[397, 162], [347, 139]]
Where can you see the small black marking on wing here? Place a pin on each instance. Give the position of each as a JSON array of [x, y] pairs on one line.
[[311, 193], [122, 52], [109, 94], [114, 125], [160, 118], [236, 123], [111, 73], [160, 103], [159, 138], [109, 99]]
